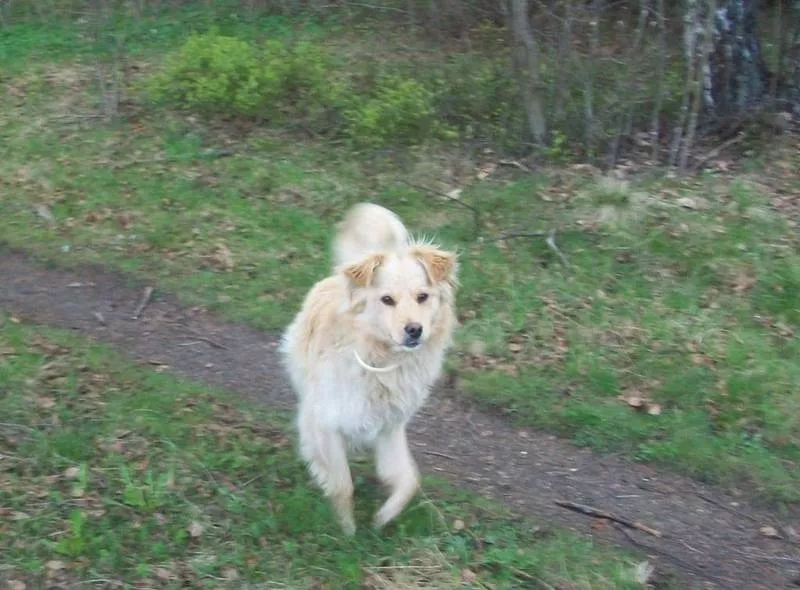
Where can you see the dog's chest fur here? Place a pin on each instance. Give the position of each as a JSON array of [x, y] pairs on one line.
[[369, 403]]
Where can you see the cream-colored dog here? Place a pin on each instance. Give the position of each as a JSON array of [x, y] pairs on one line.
[[364, 351]]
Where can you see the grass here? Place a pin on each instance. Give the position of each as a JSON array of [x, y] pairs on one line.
[[114, 475], [680, 293]]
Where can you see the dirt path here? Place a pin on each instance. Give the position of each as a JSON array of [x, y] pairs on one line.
[[711, 540]]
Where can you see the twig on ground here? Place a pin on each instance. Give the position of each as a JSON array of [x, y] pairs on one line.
[[205, 339], [19, 426], [209, 154], [522, 234], [723, 506], [550, 240], [761, 557], [700, 160], [476, 214], [551, 243], [141, 162], [251, 480], [148, 293], [689, 547], [515, 164], [598, 513], [544, 585], [676, 560], [438, 454]]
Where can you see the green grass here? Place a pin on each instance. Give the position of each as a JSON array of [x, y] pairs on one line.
[[117, 474], [684, 293]]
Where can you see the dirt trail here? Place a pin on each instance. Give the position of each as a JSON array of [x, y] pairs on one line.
[[711, 539]]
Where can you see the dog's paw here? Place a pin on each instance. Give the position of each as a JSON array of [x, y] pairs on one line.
[[348, 527], [382, 518]]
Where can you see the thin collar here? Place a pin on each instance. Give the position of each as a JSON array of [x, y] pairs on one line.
[[372, 369]]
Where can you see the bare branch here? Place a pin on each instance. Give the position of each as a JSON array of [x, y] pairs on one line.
[[476, 214], [551, 243], [598, 513], [148, 294]]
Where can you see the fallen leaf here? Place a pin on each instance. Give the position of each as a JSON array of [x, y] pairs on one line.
[[163, 573], [484, 172], [458, 524], [125, 220], [770, 531], [224, 256], [71, 472], [44, 212], [49, 348], [477, 348], [468, 576], [54, 565], [94, 216], [654, 409], [642, 572], [743, 282], [687, 203], [515, 347], [634, 401], [16, 585], [230, 574], [455, 193], [45, 402], [195, 530]]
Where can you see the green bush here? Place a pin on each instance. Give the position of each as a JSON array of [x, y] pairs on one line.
[[399, 110], [221, 75], [479, 96]]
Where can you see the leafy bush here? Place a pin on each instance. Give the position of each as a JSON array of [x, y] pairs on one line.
[[217, 74], [479, 96], [400, 110]]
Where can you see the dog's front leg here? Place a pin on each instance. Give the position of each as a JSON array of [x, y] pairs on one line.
[[397, 470], [326, 453]]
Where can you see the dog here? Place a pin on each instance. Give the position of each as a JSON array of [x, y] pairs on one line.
[[364, 351]]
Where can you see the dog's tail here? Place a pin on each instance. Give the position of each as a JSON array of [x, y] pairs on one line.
[[368, 228]]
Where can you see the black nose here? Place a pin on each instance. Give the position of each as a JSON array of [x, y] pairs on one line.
[[414, 330]]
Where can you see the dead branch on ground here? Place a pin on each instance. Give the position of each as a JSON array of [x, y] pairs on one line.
[[143, 303], [598, 513], [476, 214], [550, 240]]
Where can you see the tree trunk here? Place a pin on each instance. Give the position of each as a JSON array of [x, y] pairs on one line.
[[792, 60], [737, 79], [527, 65]]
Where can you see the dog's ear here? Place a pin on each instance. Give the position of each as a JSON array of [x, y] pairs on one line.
[[362, 272], [440, 265]]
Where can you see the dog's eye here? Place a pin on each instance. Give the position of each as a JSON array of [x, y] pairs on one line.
[[422, 298], [387, 300]]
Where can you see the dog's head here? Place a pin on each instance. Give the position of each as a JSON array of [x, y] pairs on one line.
[[398, 296]]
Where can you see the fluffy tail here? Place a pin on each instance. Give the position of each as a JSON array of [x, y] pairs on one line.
[[368, 228]]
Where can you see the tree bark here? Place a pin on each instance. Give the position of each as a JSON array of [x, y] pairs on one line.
[[737, 79], [527, 63]]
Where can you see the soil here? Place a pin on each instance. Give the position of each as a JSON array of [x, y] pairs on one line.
[[711, 537]]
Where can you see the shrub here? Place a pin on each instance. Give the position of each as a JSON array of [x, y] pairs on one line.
[[221, 75], [400, 110], [480, 97]]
